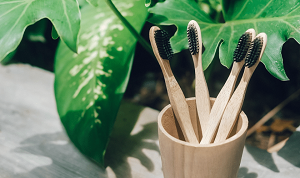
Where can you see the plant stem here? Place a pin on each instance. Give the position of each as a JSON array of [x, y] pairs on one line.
[[140, 39]]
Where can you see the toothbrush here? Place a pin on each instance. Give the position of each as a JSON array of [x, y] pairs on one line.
[[234, 106], [159, 40], [226, 91], [201, 89]]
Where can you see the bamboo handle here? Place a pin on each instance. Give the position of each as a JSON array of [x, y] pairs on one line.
[[223, 98], [201, 89], [176, 96], [231, 112], [202, 96], [234, 106], [221, 102], [180, 109]]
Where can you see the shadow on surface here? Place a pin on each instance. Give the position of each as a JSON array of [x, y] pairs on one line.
[[243, 173], [119, 149], [262, 157], [290, 152], [67, 161], [122, 145]]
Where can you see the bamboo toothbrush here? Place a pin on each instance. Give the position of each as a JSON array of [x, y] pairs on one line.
[[201, 90], [162, 50], [226, 91], [234, 106]]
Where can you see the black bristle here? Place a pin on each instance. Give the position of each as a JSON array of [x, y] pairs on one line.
[[163, 44], [242, 47], [254, 52], [193, 39]]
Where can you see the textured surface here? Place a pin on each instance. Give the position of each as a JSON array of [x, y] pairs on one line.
[[34, 145]]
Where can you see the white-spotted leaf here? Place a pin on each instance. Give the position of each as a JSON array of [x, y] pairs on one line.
[[89, 85]]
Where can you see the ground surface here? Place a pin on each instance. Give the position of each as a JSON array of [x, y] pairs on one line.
[[33, 143]]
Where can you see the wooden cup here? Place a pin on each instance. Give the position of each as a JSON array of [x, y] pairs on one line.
[[181, 159]]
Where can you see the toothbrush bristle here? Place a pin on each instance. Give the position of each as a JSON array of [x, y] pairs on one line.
[[242, 47], [193, 39], [254, 52], [162, 40]]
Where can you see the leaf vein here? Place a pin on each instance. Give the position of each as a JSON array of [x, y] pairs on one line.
[[11, 9], [290, 25], [220, 30], [179, 41], [208, 27], [261, 20], [261, 11], [255, 26], [10, 2], [183, 12], [65, 12], [17, 21], [292, 11], [241, 10], [194, 8], [230, 39], [186, 20]]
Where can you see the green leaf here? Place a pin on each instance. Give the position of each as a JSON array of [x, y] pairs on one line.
[[278, 19], [89, 85], [93, 2], [16, 15], [54, 34]]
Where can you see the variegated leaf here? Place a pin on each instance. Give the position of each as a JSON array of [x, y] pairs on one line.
[[89, 85]]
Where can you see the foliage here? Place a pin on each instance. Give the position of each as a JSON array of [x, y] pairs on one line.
[[89, 85], [278, 19], [15, 16]]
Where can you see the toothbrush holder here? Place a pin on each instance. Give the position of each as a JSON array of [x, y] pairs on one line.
[[181, 159]]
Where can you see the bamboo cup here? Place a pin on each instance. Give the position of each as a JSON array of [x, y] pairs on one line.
[[181, 159]]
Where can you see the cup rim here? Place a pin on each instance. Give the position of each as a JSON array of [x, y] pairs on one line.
[[241, 131]]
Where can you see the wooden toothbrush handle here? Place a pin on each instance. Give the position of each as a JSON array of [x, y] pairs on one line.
[[202, 97], [180, 109], [231, 112], [219, 105]]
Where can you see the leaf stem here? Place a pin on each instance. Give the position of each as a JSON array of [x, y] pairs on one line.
[[140, 39]]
